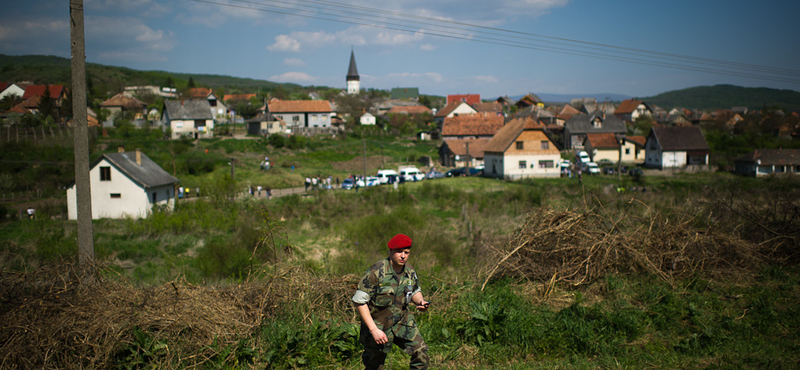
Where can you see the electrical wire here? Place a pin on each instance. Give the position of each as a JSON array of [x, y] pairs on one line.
[[416, 24]]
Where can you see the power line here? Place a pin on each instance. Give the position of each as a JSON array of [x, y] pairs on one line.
[[410, 23]]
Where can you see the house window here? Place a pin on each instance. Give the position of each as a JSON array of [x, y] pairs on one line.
[[546, 164], [179, 125], [105, 173], [116, 195], [295, 119], [545, 145], [520, 146], [523, 165], [597, 123], [627, 150], [199, 123]]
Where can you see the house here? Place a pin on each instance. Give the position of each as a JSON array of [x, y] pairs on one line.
[[633, 149], [8, 89], [470, 99], [520, 149], [471, 126], [216, 105], [451, 110], [602, 147], [576, 129], [34, 93], [462, 152], [385, 106], [676, 147], [301, 113], [188, 117], [530, 100], [566, 113], [264, 124], [125, 184], [121, 103], [367, 119], [631, 109], [234, 98], [763, 162], [489, 107], [164, 92], [405, 93]]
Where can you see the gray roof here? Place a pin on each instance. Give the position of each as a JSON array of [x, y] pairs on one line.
[[779, 157], [148, 174], [352, 72], [679, 138], [188, 109], [582, 124]]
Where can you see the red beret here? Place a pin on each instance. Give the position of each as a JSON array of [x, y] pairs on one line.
[[400, 241]]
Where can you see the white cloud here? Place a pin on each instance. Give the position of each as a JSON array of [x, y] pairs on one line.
[[486, 79], [127, 38], [284, 43], [295, 77], [294, 62]]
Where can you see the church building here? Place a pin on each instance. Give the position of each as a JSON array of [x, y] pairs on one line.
[[353, 81]]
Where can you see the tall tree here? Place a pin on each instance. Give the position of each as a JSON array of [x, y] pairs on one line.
[[191, 83], [47, 104]]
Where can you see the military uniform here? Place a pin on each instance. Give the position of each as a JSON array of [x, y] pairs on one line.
[[387, 294]]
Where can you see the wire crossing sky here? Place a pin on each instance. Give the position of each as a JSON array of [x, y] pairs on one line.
[[504, 47]]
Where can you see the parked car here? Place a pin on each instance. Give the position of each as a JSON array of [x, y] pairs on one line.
[[475, 171], [434, 175], [373, 181], [592, 168], [348, 184], [455, 172], [584, 157], [411, 173], [384, 175]]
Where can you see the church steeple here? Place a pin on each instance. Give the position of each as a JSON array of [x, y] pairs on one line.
[[353, 80]]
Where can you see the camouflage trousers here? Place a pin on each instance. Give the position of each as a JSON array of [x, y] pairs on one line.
[[409, 340]]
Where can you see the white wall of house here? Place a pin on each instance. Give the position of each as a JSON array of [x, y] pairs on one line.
[[305, 119], [640, 111], [187, 127], [119, 197], [12, 89], [609, 155], [367, 119], [517, 167], [631, 153]]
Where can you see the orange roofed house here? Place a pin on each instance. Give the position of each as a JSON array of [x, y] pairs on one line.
[[520, 149], [471, 126], [301, 113]]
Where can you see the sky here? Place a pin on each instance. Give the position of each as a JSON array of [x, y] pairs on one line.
[[492, 48]]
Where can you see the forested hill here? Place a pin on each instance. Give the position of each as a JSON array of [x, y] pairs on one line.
[[726, 97], [47, 69]]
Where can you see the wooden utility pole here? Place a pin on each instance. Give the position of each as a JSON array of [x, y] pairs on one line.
[[83, 189], [365, 161]]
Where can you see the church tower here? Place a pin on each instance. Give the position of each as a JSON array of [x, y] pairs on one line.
[[353, 81]]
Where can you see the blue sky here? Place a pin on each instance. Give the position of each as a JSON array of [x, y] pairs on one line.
[[501, 47]]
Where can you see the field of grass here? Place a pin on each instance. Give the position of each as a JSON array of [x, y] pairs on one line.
[[257, 283]]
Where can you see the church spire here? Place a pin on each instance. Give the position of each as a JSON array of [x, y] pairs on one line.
[[353, 80]]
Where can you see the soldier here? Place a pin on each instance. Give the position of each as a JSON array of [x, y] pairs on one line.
[[382, 300]]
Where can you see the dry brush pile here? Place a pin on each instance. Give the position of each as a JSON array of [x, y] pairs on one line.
[[580, 247], [56, 319]]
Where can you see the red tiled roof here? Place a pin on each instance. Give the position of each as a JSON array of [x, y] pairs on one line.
[[603, 140], [198, 92], [641, 140], [124, 101], [468, 98], [409, 109], [567, 112], [459, 146], [238, 97], [38, 90], [293, 106], [490, 107], [627, 106], [472, 125], [4, 85]]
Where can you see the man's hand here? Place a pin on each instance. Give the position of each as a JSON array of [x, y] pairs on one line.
[[423, 307], [379, 336]]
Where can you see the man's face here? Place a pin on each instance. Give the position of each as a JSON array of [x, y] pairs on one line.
[[399, 257]]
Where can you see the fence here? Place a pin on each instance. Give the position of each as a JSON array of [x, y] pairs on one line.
[[39, 135]]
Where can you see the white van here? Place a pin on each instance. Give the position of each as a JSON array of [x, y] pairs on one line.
[[411, 173], [383, 176]]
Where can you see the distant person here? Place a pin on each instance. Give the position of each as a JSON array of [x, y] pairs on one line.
[[31, 213], [259, 190], [308, 183]]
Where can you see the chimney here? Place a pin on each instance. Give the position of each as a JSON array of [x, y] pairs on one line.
[[120, 149], [138, 156]]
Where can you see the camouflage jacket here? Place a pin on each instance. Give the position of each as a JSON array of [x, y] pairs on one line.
[[388, 294]]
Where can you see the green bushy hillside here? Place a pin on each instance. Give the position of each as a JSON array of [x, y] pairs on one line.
[[727, 96]]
